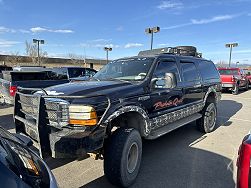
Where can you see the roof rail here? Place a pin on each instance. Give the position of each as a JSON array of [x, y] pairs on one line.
[[178, 50]]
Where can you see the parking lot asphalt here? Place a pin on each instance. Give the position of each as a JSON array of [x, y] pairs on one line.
[[182, 158]]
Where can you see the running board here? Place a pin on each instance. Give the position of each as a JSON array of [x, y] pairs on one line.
[[172, 126]]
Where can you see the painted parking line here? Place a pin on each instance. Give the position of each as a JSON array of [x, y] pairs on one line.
[[232, 118], [245, 98]]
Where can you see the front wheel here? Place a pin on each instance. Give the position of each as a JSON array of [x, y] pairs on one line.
[[207, 122], [247, 86], [122, 156], [236, 89]]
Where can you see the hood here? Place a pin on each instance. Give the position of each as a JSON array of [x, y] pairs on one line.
[[89, 88]]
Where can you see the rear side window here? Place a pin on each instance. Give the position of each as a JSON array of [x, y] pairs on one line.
[[22, 76], [189, 72], [208, 70]]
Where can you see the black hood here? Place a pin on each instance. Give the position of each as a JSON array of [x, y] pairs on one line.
[[89, 88]]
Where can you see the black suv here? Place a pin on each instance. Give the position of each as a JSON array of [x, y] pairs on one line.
[[129, 99]]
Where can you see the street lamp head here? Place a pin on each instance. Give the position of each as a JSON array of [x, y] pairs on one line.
[[148, 30], [41, 41], [107, 49], [156, 29], [35, 40], [228, 45], [235, 44], [152, 30]]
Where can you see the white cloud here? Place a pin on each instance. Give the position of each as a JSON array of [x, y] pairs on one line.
[[112, 46], [177, 26], [98, 45], [170, 5], [100, 40], [133, 45], [23, 31], [6, 30], [7, 43], [213, 19], [42, 29], [164, 45], [246, 51], [120, 28], [204, 21]]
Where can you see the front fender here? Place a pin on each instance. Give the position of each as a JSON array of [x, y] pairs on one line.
[[132, 108]]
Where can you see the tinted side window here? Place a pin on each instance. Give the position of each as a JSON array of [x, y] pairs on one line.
[[208, 70], [189, 72], [76, 72], [89, 72], [166, 67], [60, 73]]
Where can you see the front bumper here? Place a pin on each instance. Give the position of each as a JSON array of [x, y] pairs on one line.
[[65, 143], [33, 117], [75, 143], [227, 86]]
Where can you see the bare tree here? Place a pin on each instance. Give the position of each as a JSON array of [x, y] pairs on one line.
[[14, 58], [76, 59], [43, 56], [221, 63], [31, 51]]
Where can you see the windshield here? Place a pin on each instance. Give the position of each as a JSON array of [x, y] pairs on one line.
[[228, 72], [133, 69]]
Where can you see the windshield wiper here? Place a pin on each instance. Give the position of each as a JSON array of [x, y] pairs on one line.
[[116, 79], [95, 78]]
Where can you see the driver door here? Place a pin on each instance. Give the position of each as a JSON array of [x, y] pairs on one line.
[[163, 98]]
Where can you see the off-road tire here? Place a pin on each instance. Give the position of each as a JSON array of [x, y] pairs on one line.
[[117, 159], [207, 122], [236, 89]]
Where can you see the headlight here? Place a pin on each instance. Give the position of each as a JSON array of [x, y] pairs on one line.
[[82, 115]]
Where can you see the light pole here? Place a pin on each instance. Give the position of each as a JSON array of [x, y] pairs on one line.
[[107, 49], [151, 31], [237, 63], [230, 45], [37, 41]]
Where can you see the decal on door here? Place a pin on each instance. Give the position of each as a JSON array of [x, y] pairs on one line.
[[174, 102]]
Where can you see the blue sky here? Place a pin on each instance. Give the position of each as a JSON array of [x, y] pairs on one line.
[[85, 27]]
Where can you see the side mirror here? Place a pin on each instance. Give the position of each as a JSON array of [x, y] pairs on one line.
[[167, 82]]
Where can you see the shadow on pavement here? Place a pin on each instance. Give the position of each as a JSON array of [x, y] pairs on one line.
[[227, 109], [6, 121], [55, 163], [172, 161]]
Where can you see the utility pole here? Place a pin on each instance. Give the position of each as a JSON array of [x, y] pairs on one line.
[[151, 31], [230, 45], [38, 42], [107, 49]]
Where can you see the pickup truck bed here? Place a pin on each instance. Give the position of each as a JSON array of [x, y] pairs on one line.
[[12, 80]]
